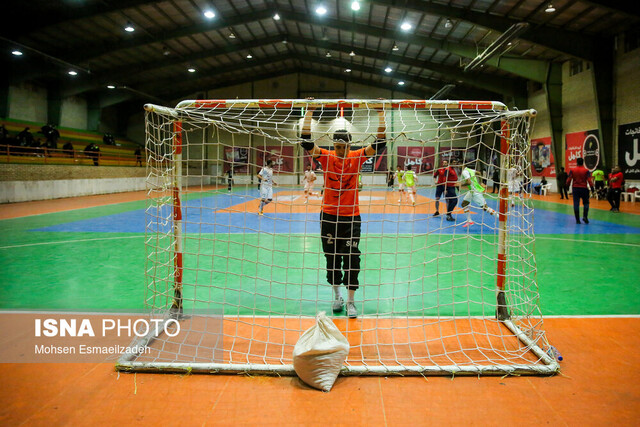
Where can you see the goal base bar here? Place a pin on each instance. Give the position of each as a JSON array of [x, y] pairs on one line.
[[287, 370], [127, 363]]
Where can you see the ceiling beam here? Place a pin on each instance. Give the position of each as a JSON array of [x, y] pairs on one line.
[[629, 8], [39, 15], [91, 52], [463, 50], [210, 79], [504, 85], [568, 42]]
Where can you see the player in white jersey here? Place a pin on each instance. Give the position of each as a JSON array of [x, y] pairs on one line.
[[475, 194], [265, 176], [309, 182], [400, 178], [514, 183], [410, 181]]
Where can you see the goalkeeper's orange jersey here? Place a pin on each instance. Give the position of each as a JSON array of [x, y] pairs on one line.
[[341, 182]]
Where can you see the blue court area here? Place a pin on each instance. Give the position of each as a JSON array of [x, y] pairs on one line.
[[226, 213]]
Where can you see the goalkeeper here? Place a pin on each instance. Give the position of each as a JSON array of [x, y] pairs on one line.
[[340, 220]]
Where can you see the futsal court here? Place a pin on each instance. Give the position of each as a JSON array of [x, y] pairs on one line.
[[88, 254]]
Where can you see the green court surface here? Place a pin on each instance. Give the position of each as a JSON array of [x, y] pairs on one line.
[[578, 272]]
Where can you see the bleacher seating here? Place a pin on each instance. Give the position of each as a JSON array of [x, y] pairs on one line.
[[120, 154]]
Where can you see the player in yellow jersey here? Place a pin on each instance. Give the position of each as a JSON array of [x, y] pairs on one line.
[[410, 181], [400, 178]]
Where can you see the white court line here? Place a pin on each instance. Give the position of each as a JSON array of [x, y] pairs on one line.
[[68, 241], [311, 316], [588, 241]]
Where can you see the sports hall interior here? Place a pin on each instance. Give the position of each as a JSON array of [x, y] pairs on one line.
[[74, 194]]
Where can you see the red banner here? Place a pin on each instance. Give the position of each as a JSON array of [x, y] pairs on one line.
[[281, 155], [542, 161], [421, 158], [583, 144]]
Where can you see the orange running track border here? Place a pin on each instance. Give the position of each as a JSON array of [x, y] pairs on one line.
[[599, 385]]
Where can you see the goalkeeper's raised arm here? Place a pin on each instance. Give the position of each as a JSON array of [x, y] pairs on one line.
[[305, 134]]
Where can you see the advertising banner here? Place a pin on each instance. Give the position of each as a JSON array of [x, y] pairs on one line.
[[238, 157], [281, 155], [583, 144], [629, 150], [542, 161], [422, 159]]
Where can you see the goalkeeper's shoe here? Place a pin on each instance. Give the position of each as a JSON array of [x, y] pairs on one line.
[[468, 224], [338, 304], [352, 312]]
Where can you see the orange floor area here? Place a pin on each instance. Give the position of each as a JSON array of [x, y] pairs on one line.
[[599, 385]]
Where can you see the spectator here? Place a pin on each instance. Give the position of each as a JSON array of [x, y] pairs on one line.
[[538, 187], [52, 135], [67, 149], [25, 138], [4, 135], [496, 180], [108, 139], [93, 152], [562, 184], [138, 154], [616, 180]]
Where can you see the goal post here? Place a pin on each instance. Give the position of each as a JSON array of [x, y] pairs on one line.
[[436, 297]]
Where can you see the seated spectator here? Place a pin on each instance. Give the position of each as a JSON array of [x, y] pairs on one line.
[[25, 138], [52, 135], [67, 149], [4, 135], [108, 139], [93, 152], [138, 154], [538, 187]]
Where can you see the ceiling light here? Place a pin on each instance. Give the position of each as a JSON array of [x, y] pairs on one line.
[[448, 24], [276, 17], [395, 47], [111, 87], [328, 55], [249, 56], [232, 36], [321, 10], [209, 14], [405, 26], [129, 27], [348, 70], [285, 41], [191, 70], [73, 73], [388, 69], [355, 6], [401, 83], [550, 8], [166, 51], [352, 53], [16, 52]]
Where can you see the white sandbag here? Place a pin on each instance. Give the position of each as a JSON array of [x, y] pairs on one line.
[[320, 353]]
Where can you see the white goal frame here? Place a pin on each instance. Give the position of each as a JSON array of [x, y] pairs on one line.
[[536, 342]]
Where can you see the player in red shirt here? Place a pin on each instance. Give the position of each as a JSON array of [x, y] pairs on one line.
[[581, 178], [615, 188], [446, 181], [340, 220]]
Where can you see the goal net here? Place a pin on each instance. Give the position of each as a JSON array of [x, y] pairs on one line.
[[236, 280]]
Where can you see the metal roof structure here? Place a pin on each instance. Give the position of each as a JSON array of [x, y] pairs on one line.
[[248, 40]]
